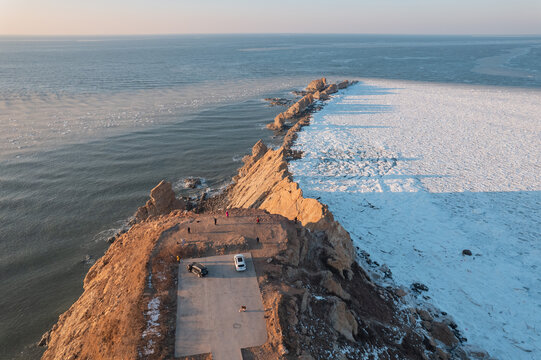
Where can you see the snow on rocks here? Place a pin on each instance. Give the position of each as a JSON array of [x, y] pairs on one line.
[[417, 173], [152, 315]]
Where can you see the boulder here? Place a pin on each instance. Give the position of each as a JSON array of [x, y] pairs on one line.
[[333, 286], [192, 183], [418, 287], [321, 95], [343, 320], [343, 84], [316, 85], [441, 332], [424, 315], [278, 123], [44, 341], [162, 201], [466, 252]]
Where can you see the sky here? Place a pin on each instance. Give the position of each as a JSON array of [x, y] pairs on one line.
[[112, 17]]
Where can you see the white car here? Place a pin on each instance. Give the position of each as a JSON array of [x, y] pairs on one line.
[[240, 264]]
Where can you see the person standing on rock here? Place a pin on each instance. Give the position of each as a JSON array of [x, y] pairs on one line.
[[227, 214], [257, 220], [189, 230], [215, 221]]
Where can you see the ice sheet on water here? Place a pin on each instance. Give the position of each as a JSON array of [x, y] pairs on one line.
[[419, 172]]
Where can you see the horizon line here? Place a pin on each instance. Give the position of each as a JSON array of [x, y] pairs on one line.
[[277, 33]]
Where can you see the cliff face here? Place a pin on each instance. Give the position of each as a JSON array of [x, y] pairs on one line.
[[106, 322], [265, 183]]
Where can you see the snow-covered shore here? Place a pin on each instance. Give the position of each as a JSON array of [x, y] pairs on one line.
[[419, 172]]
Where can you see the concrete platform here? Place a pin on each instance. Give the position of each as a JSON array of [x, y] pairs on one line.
[[208, 317]]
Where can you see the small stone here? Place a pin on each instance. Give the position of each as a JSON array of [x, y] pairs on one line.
[[427, 325], [418, 287], [278, 101], [400, 292], [89, 260], [111, 239], [269, 260], [466, 252], [386, 271]]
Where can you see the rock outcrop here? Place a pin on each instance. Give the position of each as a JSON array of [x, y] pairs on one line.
[[299, 106], [316, 85], [317, 90], [266, 184], [343, 320], [293, 111], [279, 122], [162, 201], [342, 84], [331, 89], [258, 150]]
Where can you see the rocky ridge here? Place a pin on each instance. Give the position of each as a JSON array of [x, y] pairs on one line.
[[316, 90], [321, 303]]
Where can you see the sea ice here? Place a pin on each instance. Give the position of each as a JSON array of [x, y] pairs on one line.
[[417, 173]]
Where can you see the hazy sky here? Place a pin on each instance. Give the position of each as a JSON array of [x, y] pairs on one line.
[[46, 17]]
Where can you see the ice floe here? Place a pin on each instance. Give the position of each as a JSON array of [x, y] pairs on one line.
[[419, 172]]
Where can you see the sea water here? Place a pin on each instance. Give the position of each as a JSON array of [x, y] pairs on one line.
[[88, 125]]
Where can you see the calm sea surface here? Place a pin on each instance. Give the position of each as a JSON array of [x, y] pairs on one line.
[[89, 125]]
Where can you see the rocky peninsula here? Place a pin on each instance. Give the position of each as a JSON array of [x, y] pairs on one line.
[[319, 303]]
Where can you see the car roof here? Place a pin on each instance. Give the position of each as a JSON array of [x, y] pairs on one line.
[[239, 256]]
